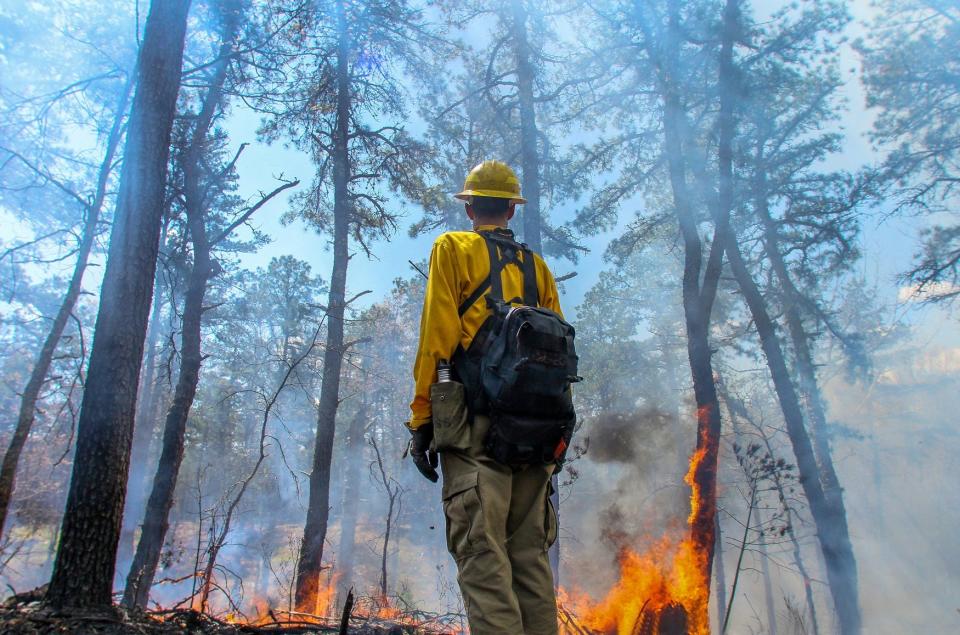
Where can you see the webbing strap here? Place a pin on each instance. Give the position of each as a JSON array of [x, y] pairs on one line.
[[508, 252], [473, 297], [497, 261], [531, 295]]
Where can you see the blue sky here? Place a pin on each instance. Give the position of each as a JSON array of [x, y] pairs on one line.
[[887, 245]]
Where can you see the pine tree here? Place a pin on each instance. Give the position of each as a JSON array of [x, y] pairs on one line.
[[348, 73], [203, 176], [911, 62], [83, 572]]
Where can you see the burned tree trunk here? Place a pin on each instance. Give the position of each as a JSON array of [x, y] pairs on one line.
[[31, 393], [318, 510], [831, 530], [672, 619], [144, 426], [348, 519], [698, 297], [83, 571], [155, 520]]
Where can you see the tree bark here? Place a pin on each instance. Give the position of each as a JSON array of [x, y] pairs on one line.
[[156, 515], [530, 168], [83, 571], [144, 425], [834, 541], [767, 585], [31, 393], [529, 155], [720, 575], [698, 299], [348, 518], [310, 562]]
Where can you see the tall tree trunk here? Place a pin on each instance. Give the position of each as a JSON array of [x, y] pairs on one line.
[[318, 510], [800, 338], [156, 515], [83, 571], [767, 585], [529, 154], [806, 374], [698, 299], [31, 393], [720, 575], [530, 168], [834, 540], [144, 425], [350, 507]]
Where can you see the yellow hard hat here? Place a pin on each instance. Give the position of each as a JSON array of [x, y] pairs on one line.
[[494, 179]]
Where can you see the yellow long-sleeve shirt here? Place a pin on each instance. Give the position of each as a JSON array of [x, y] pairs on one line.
[[459, 262]]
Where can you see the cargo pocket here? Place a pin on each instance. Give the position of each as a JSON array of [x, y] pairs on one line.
[[451, 429], [551, 523], [464, 514]]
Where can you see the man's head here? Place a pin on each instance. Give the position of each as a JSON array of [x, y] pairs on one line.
[[491, 192], [489, 210]]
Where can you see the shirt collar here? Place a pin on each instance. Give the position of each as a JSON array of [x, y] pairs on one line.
[[493, 228]]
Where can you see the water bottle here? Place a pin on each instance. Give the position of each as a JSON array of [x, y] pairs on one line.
[[443, 371]]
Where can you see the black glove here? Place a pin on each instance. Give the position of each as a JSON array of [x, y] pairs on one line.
[[423, 457]]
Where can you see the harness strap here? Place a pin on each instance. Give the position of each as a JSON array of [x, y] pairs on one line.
[[473, 297], [531, 295], [498, 259], [502, 250]]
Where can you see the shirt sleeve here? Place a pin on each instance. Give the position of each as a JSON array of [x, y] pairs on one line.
[[439, 328], [550, 298]]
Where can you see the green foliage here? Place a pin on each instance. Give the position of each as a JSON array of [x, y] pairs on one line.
[[911, 64], [473, 108], [383, 40]]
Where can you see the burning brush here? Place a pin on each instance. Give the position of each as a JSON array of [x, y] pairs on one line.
[[662, 591]]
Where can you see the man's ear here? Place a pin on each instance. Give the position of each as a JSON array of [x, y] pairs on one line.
[[470, 213], [511, 209]]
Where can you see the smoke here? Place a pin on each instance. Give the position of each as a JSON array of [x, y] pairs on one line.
[[634, 439]]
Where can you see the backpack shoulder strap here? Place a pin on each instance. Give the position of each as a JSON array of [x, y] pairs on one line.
[[503, 250], [501, 253], [473, 297], [531, 294]]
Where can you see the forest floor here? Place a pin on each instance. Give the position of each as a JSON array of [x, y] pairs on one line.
[[25, 614]]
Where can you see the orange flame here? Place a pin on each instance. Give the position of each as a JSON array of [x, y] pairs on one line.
[[689, 479], [670, 572], [323, 600]]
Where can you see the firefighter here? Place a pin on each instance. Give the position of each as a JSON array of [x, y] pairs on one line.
[[500, 522]]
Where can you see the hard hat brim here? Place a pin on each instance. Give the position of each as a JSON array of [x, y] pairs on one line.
[[466, 194]]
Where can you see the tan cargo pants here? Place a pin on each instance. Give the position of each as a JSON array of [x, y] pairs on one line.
[[500, 524]]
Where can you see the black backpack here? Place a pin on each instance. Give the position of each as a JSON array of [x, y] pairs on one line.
[[520, 364]]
